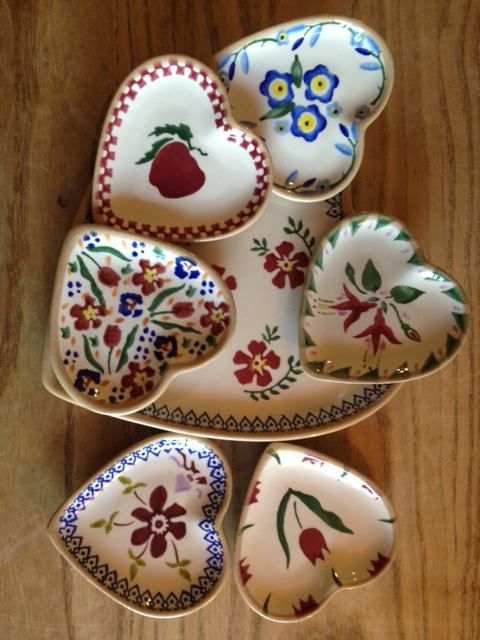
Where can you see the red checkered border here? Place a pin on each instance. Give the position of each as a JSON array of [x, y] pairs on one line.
[[220, 113]]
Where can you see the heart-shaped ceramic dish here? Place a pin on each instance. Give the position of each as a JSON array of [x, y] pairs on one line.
[[309, 528], [374, 309], [146, 530], [128, 314], [309, 88], [172, 163]]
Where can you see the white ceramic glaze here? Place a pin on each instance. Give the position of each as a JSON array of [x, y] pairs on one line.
[[171, 161], [130, 313], [375, 309], [146, 529], [309, 528], [309, 88], [220, 401]]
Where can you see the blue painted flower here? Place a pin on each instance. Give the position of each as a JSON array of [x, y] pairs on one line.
[[322, 185], [362, 112], [129, 304], [137, 248], [85, 377], [166, 347], [307, 122], [320, 83], [283, 36], [282, 127], [334, 110], [357, 38], [185, 268], [277, 87], [91, 239]]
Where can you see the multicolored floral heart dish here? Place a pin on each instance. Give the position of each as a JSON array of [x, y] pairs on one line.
[[374, 309], [146, 530], [172, 163], [128, 314], [309, 528], [309, 89]]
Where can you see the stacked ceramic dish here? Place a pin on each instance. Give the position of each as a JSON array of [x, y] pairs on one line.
[[300, 326]]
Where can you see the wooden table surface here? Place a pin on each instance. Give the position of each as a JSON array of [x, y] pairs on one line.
[[61, 61]]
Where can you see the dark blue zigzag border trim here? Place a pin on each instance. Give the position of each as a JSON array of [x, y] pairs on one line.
[[109, 579]]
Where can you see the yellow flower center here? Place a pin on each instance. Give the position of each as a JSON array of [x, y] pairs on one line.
[[307, 122], [285, 265], [151, 275], [258, 364], [90, 313], [217, 317], [278, 89], [141, 379], [319, 85], [282, 37]]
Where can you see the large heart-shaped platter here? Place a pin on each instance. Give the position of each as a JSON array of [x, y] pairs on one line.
[[172, 163], [130, 313], [146, 530], [309, 527], [375, 309], [309, 89]]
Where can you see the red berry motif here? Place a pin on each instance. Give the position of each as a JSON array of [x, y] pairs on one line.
[[174, 171]]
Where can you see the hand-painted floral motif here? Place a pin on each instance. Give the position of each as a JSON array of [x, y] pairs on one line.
[[313, 544], [287, 265], [277, 88], [230, 281], [258, 364], [147, 329], [307, 122], [320, 84], [305, 606], [150, 277], [158, 523]]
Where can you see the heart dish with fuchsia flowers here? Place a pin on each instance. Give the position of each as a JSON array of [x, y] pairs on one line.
[[128, 314], [146, 529], [374, 309]]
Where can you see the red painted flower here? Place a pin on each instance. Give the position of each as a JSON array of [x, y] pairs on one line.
[[159, 523], [378, 329], [108, 277], [87, 315], [253, 497], [243, 570], [230, 281], [288, 265], [112, 335], [306, 606], [139, 380], [412, 334], [378, 565], [354, 305], [216, 316], [149, 277], [182, 309], [312, 543], [256, 364]]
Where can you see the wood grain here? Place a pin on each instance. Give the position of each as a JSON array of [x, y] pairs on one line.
[[61, 61]]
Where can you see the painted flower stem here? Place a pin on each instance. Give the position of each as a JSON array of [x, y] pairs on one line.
[[296, 514], [109, 360], [175, 550], [87, 255], [382, 85], [139, 498], [273, 390]]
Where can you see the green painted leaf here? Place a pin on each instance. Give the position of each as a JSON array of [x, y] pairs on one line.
[[343, 373], [307, 340], [387, 520], [124, 480], [265, 604], [154, 149], [160, 297], [356, 224], [430, 362], [65, 331], [168, 326], [282, 509], [416, 259], [403, 235], [319, 259], [73, 267], [350, 273], [159, 252], [332, 238], [307, 308], [460, 320], [330, 518], [94, 341], [131, 555], [438, 277], [384, 306], [274, 454], [184, 563], [210, 340], [336, 579], [133, 570], [140, 562], [191, 291], [455, 294], [452, 344], [85, 273], [172, 565], [278, 112], [128, 343], [133, 487], [126, 270], [110, 250], [98, 524], [185, 574], [311, 284], [297, 72], [244, 528], [316, 366], [89, 355], [109, 525], [404, 294], [186, 342], [370, 375], [382, 222], [371, 280]]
